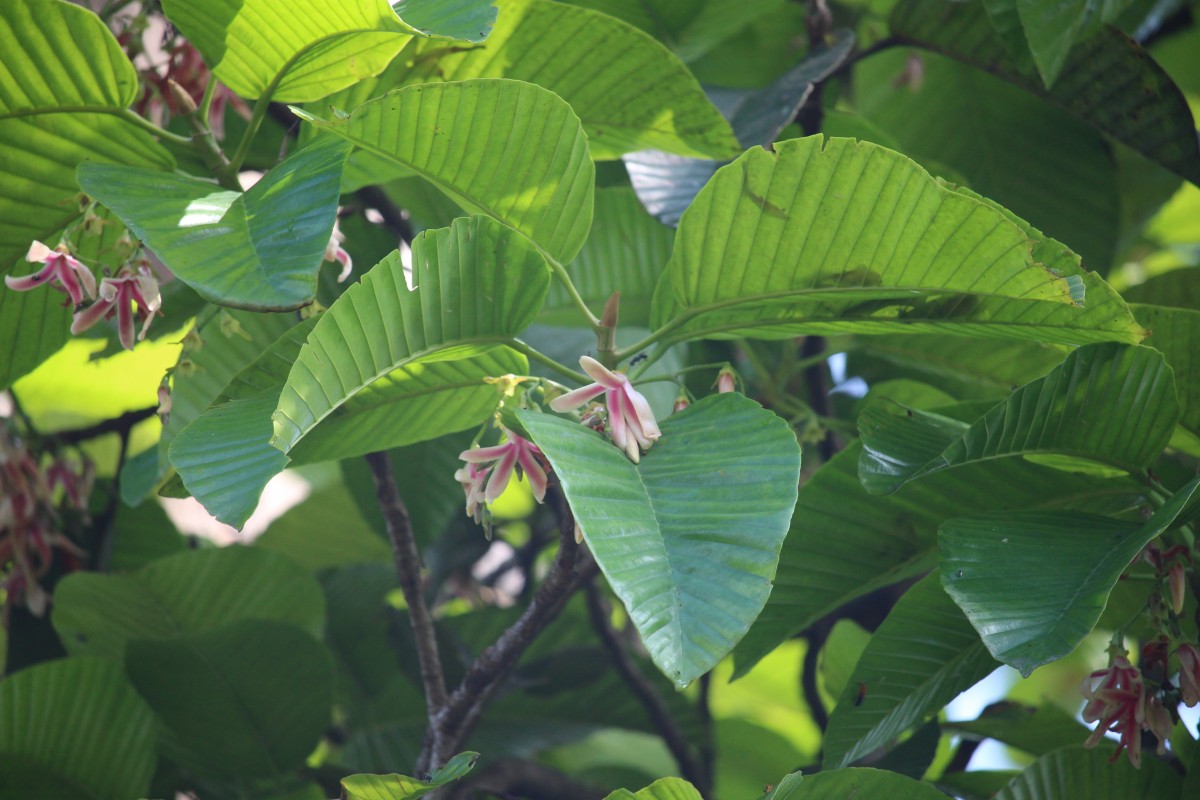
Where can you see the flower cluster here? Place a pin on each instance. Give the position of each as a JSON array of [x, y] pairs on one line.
[[1117, 698], [115, 297], [631, 423], [28, 530], [486, 483]]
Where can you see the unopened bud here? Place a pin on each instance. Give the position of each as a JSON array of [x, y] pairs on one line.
[[681, 402], [182, 99], [726, 380], [1175, 578]]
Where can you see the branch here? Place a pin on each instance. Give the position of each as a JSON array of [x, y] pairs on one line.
[[651, 700], [408, 570], [511, 777], [393, 217], [119, 425], [457, 719]]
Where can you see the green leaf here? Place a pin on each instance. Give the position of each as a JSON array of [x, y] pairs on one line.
[[1108, 80], [259, 250], [1037, 731], [756, 254], [661, 789], [845, 543], [1068, 563], [74, 728], [507, 149], [634, 95], [625, 252], [192, 592], [1051, 28], [660, 529], [325, 531], [307, 49], [141, 535], [477, 284], [841, 784], [786, 788], [1076, 772], [55, 57], [1175, 332], [923, 655], [248, 699], [402, 787], [1063, 413]]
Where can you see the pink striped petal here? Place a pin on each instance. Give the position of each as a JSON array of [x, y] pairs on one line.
[[617, 427], [602, 374], [92, 314], [534, 472], [481, 455], [499, 479], [576, 398], [125, 329], [646, 423], [31, 281]]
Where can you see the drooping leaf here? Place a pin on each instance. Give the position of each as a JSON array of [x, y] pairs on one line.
[[845, 543], [1054, 415], [1008, 145], [507, 149], [1175, 332], [248, 699], [660, 529], [476, 285], [837, 784], [402, 787], [1068, 563], [74, 729], [47, 48], [1076, 772], [1108, 80], [756, 255], [923, 655], [259, 250], [667, 183], [1037, 731], [1179, 288], [625, 252], [193, 592], [661, 789], [631, 93], [1052, 29], [307, 49]]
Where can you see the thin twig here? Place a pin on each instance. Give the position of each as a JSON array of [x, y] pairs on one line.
[[408, 570], [374, 197], [708, 745], [655, 707], [119, 425]]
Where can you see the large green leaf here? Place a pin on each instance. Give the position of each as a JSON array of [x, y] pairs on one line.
[[1069, 412], [192, 592], [856, 782], [402, 787], [74, 729], [838, 235], [476, 285], [1109, 81], [259, 250], [923, 655], [631, 93], [55, 58], [661, 530], [1076, 772], [1175, 332], [325, 531], [1008, 145], [1053, 28], [305, 49], [625, 252], [1037, 731], [1068, 563], [661, 789], [511, 150], [845, 543], [248, 699]]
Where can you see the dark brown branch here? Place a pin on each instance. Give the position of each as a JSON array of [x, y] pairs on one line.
[[818, 393], [393, 218], [455, 722], [512, 777], [655, 707], [708, 745], [119, 425], [408, 570]]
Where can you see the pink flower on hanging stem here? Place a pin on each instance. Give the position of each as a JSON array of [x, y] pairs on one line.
[[631, 423], [504, 458], [117, 296], [61, 270], [1116, 699]]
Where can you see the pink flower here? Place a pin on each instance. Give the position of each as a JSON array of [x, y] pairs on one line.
[[1117, 702], [117, 296], [62, 271], [504, 458], [681, 402], [335, 252], [1189, 674], [631, 423], [726, 380]]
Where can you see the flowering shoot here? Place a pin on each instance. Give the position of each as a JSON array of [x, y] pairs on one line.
[[117, 296], [631, 423], [61, 270]]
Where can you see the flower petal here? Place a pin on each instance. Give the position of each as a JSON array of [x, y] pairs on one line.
[[617, 424], [533, 471], [499, 479], [482, 455], [645, 416], [577, 397], [31, 281], [38, 252], [91, 315], [601, 374]]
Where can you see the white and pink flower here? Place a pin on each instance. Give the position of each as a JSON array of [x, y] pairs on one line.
[[335, 252], [486, 483], [117, 298], [631, 423], [62, 271]]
